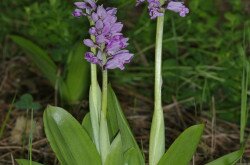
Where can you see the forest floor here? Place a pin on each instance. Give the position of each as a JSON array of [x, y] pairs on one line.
[[18, 77]]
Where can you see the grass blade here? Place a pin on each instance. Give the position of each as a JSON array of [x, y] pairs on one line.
[[6, 119], [244, 90], [229, 159], [26, 162]]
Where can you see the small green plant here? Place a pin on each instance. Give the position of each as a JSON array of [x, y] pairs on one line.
[[26, 102]]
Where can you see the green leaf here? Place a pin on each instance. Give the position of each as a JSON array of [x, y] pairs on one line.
[[112, 117], [229, 159], [86, 123], [68, 139], [183, 148], [131, 157], [127, 137], [39, 57], [115, 155], [26, 102], [244, 94], [77, 77], [26, 162]]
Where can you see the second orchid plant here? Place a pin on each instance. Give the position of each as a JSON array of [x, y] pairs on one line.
[[104, 137]]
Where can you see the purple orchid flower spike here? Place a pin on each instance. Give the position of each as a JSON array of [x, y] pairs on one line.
[[84, 8], [178, 7], [108, 39], [156, 9]]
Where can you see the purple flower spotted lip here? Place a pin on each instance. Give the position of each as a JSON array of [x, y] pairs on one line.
[[108, 39], [155, 8]]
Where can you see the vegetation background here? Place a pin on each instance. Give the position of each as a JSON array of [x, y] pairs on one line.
[[204, 57]]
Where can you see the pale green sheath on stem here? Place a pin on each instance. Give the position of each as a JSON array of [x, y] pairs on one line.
[[157, 133], [104, 135]]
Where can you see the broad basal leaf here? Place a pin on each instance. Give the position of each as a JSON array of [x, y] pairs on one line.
[[183, 148], [112, 115], [131, 157], [115, 155], [120, 122], [86, 123], [70, 142]]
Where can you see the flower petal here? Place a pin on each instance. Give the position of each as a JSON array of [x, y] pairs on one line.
[[89, 43]]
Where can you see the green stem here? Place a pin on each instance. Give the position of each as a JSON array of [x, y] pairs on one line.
[[104, 134], [104, 91], [157, 133]]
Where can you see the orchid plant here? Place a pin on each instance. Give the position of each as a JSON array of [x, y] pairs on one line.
[[157, 9], [104, 136]]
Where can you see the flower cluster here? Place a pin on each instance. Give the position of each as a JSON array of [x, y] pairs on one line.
[[108, 38], [178, 7], [156, 9], [84, 8]]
